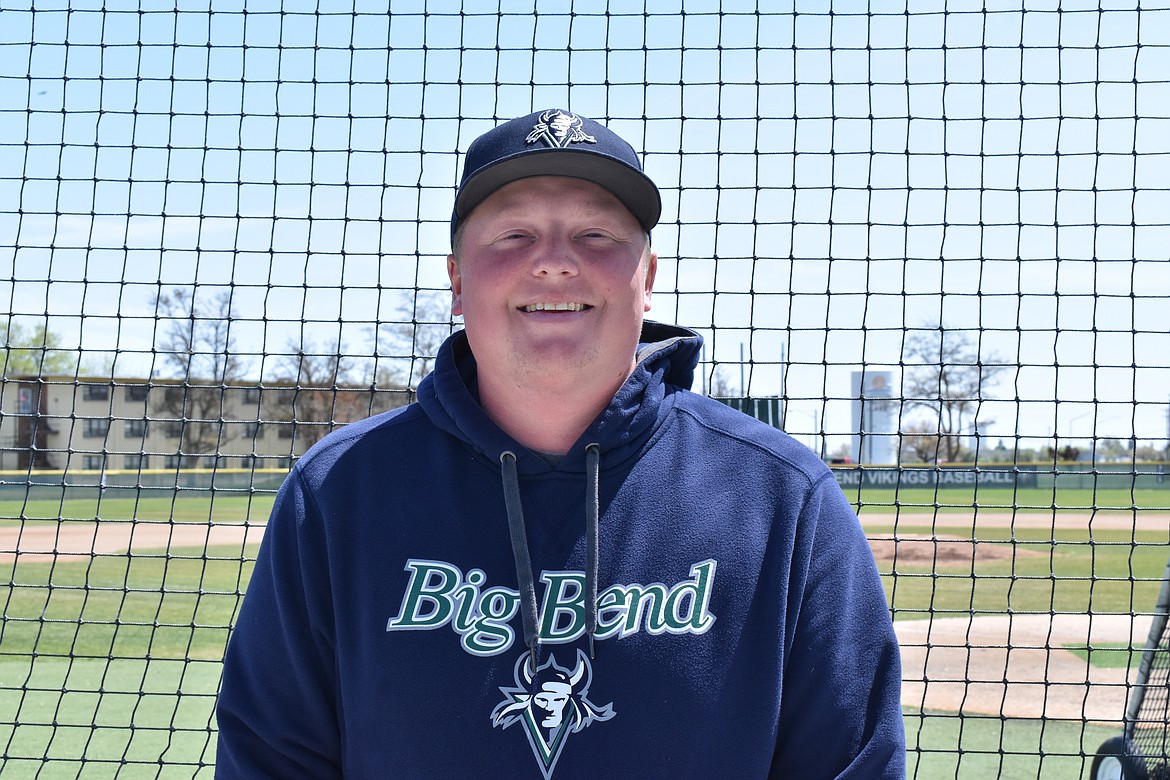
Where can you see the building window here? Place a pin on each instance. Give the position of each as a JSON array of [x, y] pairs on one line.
[[136, 461], [94, 462], [173, 429], [96, 427], [95, 392], [137, 392], [135, 429], [253, 430], [251, 395]]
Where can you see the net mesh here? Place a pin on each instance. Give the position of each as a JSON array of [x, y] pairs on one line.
[[1150, 731], [928, 240]]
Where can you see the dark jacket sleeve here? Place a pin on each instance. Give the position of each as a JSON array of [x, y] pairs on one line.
[[841, 714], [277, 707]]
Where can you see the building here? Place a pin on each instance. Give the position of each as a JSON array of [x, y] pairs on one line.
[[875, 418], [106, 424]]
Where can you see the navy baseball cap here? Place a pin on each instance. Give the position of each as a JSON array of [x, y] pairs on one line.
[[555, 143]]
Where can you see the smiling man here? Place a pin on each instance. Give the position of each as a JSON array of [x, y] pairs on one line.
[[560, 562], [552, 276]]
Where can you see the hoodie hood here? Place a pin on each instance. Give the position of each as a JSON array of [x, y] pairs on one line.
[[666, 360], [666, 355]]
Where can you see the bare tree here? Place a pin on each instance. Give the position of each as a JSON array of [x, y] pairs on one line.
[[946, 375], [197, 350], [197, 341], [422, 323], [721, 386], [320, 391], [921, 441]]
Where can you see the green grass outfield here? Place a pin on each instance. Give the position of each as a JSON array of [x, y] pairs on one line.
[[128, 504], [1050, 559], [1000, 499], [238, 505], [109, 665], [975, 747], [116, 661]]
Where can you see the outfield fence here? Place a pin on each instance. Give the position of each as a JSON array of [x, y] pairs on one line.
[[928, 239]]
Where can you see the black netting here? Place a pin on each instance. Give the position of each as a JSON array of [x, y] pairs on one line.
[[928, 240]]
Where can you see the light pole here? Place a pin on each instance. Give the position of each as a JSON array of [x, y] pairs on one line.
[[817, 433]]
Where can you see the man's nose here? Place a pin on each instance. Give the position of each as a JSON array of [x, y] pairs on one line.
[[555, 257]]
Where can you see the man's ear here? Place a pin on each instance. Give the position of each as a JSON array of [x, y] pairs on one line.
[[651, 270], [456, 285]]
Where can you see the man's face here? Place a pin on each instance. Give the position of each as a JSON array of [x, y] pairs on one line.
[[553, 276]]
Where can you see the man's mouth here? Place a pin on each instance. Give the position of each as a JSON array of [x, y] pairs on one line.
[[554, 307]]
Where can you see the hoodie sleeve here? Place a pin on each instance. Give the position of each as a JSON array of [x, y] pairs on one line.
[[841, 714], [277, 707]]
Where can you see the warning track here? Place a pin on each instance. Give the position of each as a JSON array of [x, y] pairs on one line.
[[69, 539]]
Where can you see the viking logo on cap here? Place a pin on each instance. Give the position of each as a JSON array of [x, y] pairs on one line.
[[558, 129]]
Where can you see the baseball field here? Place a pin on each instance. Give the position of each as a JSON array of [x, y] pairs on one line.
[[1019, 615]]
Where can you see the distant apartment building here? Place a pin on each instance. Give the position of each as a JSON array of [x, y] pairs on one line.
[[107, 424]]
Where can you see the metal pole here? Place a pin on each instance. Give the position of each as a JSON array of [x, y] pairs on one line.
[[783, 389], [742, 383]]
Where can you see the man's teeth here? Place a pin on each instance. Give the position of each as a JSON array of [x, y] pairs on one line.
[[555, 307]]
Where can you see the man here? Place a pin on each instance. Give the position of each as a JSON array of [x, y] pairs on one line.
[[559, 562]]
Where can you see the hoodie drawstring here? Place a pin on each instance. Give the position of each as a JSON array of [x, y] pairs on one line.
[[520, 554], [519, 538], [592, 511]]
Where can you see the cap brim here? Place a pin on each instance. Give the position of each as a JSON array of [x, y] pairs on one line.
[[633, 188]]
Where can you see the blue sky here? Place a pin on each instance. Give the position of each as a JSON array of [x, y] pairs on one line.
[[830, 179]]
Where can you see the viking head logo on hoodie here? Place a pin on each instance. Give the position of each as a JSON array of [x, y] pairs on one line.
[[551, 703]]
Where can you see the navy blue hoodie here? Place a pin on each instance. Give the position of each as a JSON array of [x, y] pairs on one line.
[[698, 600]]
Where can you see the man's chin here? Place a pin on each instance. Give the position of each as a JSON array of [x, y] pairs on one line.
[[560, 360]]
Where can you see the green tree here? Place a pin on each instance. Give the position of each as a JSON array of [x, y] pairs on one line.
[[34, 351]]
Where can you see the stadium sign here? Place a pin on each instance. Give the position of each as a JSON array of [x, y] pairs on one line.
[[941, 477]]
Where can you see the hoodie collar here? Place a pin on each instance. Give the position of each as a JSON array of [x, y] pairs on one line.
[[666, 360]]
